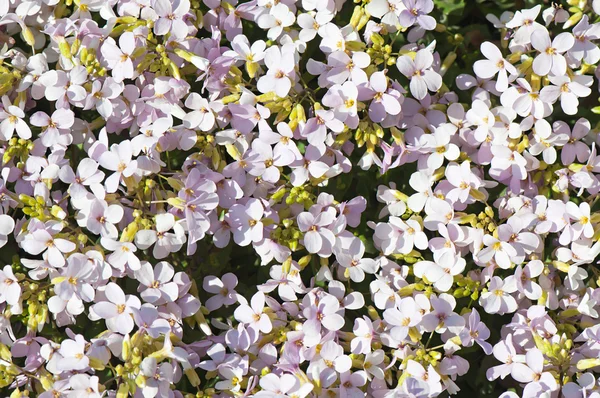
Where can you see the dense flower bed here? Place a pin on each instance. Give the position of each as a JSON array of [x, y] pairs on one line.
[[312, 198]]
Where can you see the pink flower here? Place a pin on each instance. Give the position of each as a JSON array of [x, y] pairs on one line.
[[388, 11], [316, 127], [122, 253], [76, 281], [118, 57], [524, 279], [99, 218], [497, 300], [59, 123], [364, 332], [532, 369], [158, 378], [349, 383], [322, 314], [275, 20], [87, 175], [524, 23], [569, 90], [550, 57], [155, 284], [102, 96], [584, 48], [254, 314], [495, 64], [343, 67], [164, 242], [202, 115], [574, 148], [441, 272], [11, 119], [583, 224], [419, 72], [170, 17], [246, 222], [382, 103], [317, 237], [42, 240], [506, 353], [84, 386], [402, 318], [118, 159], [223, 290], [352, 260], [286, 385], [148, 321], [118, 309], [343, 100], [73, 354], [476, 332], [416, 12], [10, 290], [280, 73]]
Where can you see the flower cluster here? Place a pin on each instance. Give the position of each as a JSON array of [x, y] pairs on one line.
[[299, 198]]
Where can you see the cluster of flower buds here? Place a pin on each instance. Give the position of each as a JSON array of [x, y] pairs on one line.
[[298, 198]]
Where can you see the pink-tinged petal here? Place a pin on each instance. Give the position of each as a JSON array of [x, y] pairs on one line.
[[23, 129], [109, 160], [378, 82], [212, 284], [267, 83], [313, 241], [318, 169], [244, 314], [151, 295], [427, 22], [559, 65], [40, 119], [485, 69], [264, 324], [255, 209], [333, 322], [7, 224], [522, 373], [392, 106], [569, 103], [123, 323], [55, 257], [145, 275], [115, 294], [423, 59], [418, 87], [503, 259], [405, 19], [271, 382], [87, 292], [563, 42], [145, 238], [64, 245], [258, 302], [550, 94], [542, 63], [490, 51], [283, 86], [162, 26], [127, 42], [405, 65], [540, 40], [361, 59], [105, 310]]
